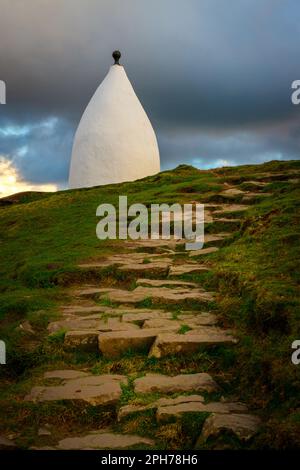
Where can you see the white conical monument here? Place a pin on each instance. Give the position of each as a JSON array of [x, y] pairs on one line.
[[114, 141]]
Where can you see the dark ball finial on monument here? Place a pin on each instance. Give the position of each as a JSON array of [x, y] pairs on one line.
[[116, 55]]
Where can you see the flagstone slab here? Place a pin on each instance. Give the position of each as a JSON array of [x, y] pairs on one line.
[[204, 251], [128, 410], [85, 340], [215, 237], [190, 321], [140, 316], [244, 426], [117, 259], [232, 193], [84, 310], [257, 184], [7, 444], [91, 323], [154, 243], [199, 319], [90, 291], [164, 282], [65, 374], [165, 413], [226, 208], [179, 269], [167, 344], [72, 324], [227, 220], [172, 384], [158, 267], [93, 389], [116, 343], [104, 440]]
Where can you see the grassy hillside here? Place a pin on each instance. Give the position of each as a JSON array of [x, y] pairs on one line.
[[255, 273]]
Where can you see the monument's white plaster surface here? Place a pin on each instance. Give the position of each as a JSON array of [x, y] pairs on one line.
[[114, 141]]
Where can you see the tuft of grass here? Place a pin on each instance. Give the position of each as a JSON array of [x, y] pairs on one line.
[[183, 329], [58, 336]]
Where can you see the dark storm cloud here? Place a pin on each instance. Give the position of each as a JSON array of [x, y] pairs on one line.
[[29, 149], [233, 147], [214, 76]]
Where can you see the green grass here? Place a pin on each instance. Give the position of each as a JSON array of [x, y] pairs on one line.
[[184, 329], [58, 336]]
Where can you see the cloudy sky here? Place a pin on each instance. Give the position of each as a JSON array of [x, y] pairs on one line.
[[213, 75]]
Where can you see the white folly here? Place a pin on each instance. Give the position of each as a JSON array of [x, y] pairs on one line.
[[115, 141]]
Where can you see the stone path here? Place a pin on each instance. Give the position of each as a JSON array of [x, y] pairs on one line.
[[113, 321]]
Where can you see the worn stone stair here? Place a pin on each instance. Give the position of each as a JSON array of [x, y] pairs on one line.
[[124, 326]]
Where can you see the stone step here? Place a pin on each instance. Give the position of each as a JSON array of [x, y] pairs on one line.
[[215, 237], [243, 426], [93, 389], [255, 184], [90, 323], [89, 291], [162, 325], [191, 321], [128, 410], [226, 220], [164, 282], [103, 440], [198, 319], [159, 294], [7, 444], [141, 315], [65, 374], [152, 383], [116, 343], [170, 343], [231, 193], [186, 268], [203, 251], [154, 244], [160, 268], [228, 208], [85, 310], [167, 413], [85, 340]]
